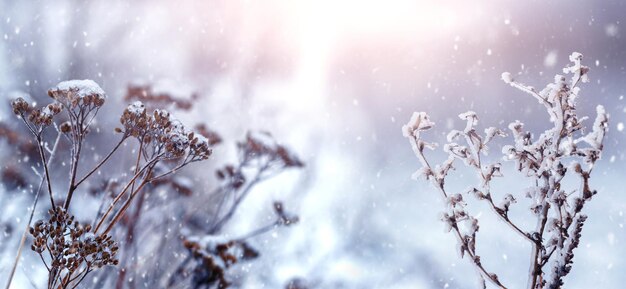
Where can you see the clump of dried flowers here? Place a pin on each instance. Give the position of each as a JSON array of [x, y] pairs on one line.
[[68, 249]]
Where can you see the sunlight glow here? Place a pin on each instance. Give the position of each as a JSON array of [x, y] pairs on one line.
[[319, 27]]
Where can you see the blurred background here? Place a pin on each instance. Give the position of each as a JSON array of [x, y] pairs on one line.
[[335, 81]]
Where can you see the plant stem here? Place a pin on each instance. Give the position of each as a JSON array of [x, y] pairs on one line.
[[101, 162], [73, 172], [122, 210], [45, 167], [119, 196], [30, 219]]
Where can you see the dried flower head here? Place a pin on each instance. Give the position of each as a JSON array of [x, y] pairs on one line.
[[73, 250], [134, 119], [214, 255], [66, 127], [148, 94], [262, 146], [20, 106], [75, 93], [164, 134], [213, 137], [43, 116]]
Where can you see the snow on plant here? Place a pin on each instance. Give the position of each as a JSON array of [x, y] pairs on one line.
[[260, 158], [69, 249], [564, 149], [185, 258], [214, 255]]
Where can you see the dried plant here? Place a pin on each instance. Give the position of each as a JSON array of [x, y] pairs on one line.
[[68, 249], [215, 255], [146, 93], [260, 158], [562, 150], [74, 251], [297, 283], [258, 152]]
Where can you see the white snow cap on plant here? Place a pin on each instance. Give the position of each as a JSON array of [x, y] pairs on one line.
[[81, 87], [595, 137], [492, 132], [419, 121], [136, 108], [507, 77], [575, 56], [579, 70]]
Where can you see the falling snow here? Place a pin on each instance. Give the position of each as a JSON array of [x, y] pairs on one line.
[[328, 84]]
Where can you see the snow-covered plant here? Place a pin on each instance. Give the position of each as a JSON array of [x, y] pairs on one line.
[[71, 250], [164, 250], [214, 255], [260, 158], [564, 149]]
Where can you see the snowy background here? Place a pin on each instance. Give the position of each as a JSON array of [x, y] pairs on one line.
[[335, 81]]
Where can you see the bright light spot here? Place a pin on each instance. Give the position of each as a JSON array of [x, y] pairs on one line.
[[550, 59], [611, 239], [620, 126], [611, 30], [346, 268]]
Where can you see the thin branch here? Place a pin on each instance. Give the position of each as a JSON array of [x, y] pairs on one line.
[[219, 224], [122, 210], [172, 171], [30, 218], [487, 189], [440, 186], [46, 171], [259, 231], [73, 173], [101, 162], [119, 196]]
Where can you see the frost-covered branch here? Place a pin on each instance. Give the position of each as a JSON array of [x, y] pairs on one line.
[[542, 159], [455, 213]]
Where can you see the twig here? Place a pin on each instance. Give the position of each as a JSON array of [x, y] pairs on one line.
[[30, 218], [46, 171], [101, 162]]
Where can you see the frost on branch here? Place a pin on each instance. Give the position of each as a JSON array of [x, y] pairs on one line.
[[419, 121], [544, 159]]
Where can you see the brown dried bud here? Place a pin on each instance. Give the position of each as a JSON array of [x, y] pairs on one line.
[[66, 127], [20, 106]]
